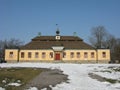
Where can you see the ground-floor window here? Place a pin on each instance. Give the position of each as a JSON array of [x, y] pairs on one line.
[[43, 54], [72, 55], [92, 54], [29, 54], [104, 54], [85, 55], [11, 54], [22, 54], [78, 54], [64, 54], [36, 55], [51, 54]]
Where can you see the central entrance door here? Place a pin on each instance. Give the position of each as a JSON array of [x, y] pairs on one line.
[[57, 56]]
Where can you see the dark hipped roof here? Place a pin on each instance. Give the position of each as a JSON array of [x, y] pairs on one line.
[[47, 42], [52, 38]]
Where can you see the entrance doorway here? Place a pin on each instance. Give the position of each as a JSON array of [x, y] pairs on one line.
[[57, 56]]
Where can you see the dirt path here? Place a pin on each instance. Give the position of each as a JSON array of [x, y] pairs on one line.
[[46, 78], [97, 77]]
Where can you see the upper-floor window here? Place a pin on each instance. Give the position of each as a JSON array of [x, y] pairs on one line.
[[11, 54], [51, 54], [104, 54], [85, 55], [29, 54], [64, 54], [43, 54], [92, 54], [36, 55], [22, 55], [78, 54], [72, 54]]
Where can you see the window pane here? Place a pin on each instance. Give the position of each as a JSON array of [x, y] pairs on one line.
[[72, 55], [29, 54], [64, 54], [43, 55], [36, 55], [78, 54], [11, 54], [92, 55], [85, 55], [104, 54], [22, 54], [51, 54]]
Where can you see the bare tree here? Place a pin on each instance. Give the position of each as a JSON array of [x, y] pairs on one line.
[[14, 43], [3, 45], [98, 36], [9, 44], [116, 52], [110, 41]]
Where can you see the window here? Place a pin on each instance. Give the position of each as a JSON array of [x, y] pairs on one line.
[[57, 37], [92, 55], [85, 55], [43, 55], [104, 54], [29, 54], [36, 54], [64, 54], [78, 54], [51, 54], [72, 55], [22, 55], [11, 55]]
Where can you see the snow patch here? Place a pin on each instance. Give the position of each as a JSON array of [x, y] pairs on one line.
[[44, 89], [2, 88], [14, 84], [32, 88], [3, 81]]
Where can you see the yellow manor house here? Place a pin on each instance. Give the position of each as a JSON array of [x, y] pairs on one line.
[[57, 49]]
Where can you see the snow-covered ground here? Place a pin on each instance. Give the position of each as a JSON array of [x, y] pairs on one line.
[[78, 75]]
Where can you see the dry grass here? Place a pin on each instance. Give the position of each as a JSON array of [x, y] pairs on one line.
[[17, 75]]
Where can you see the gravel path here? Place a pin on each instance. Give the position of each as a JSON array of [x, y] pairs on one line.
[[46, 78]]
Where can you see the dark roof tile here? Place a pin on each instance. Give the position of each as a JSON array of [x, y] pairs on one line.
[[52, 38]]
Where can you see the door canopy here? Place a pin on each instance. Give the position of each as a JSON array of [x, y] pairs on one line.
[[57, 48]]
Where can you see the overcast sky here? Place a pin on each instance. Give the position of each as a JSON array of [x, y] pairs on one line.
[[23, 19]]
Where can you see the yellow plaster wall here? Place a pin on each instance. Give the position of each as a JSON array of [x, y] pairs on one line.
[[7, 54]]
